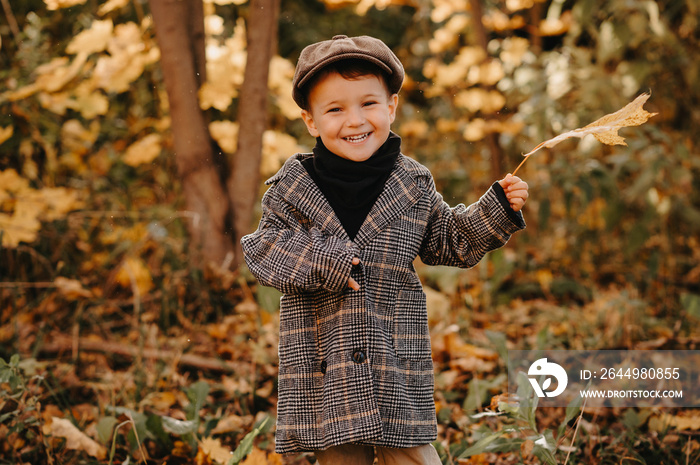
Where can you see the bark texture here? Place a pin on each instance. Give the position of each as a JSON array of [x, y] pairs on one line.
[[179, 29], [244, 181]]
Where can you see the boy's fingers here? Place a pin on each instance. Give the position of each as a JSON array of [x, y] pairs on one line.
[[353, 284], [517, 204]]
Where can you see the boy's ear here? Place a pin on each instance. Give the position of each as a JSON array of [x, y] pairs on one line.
[[309, 121], [393, 105]]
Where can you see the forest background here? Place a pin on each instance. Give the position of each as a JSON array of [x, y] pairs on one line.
[[133, 144]]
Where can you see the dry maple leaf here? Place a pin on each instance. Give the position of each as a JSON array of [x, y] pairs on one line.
[[604, 129]]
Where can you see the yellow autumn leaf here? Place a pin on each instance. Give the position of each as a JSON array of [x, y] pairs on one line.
[[451, 74], [56, 102], [448, 35], [213, 449], [24, 207], [475, 130], [55, 202], [128, 55], [72, 289], [231, 423], [277, 147], [216, 93], [285, 102], [256, 457], [556, 26], [56, 77], [225, 69], [23, 224], [664, 421], [490, 72], [514, 50], [18, 228], [52, 77], [75, 439], [57, 4], [22, 93], [213, 25], [225, 133], [89, 101], [280, 84], [486, 101], [604, 129], [111, 5], [92, 40], [6, 133], [160, 401], [133, 274], [443, 9], [115, 73], [515, 5], [143, 151], [499, 21]]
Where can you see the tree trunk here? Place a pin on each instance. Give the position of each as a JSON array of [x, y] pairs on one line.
[[243, 183], [179, 29]]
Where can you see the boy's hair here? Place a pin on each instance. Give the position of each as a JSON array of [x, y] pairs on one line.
[[349, 69]]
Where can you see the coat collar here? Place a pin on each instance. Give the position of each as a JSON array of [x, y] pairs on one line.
[[403, 188]]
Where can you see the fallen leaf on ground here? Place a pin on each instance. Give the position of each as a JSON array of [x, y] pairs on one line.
[[76, 439], [213, 449], [665, 420]]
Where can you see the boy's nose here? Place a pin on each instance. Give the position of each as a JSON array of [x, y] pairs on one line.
[[355, 117]]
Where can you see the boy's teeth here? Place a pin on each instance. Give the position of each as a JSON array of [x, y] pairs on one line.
[[357, 138]]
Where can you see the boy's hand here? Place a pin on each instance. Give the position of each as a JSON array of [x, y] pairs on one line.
[[352, 284], [516, 191]]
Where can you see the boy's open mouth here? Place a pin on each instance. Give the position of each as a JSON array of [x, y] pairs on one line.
[[358, 138]]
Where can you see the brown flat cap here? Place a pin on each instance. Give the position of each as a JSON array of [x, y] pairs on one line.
[[319, 55]]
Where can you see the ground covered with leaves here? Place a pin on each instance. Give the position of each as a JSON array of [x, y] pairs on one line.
[[116, 346], [181, 368]]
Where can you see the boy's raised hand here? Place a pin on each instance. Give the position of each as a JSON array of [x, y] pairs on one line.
[[516, 191]]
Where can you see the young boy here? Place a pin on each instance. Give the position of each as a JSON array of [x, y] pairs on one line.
[[339, 233]]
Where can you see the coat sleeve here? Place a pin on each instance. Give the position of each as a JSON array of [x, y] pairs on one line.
[[461, 236], [284, 254]]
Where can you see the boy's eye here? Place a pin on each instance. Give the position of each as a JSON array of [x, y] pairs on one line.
[[333, 110], [371, 102]]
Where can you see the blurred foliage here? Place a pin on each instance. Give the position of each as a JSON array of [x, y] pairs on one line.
[[115, 328]]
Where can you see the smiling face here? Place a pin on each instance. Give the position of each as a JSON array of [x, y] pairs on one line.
[[351, 116]]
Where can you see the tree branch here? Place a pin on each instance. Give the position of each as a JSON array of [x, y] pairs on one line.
[[62, 344]]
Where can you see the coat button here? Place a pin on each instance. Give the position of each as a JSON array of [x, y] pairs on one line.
[[359, 356], [324, 367]]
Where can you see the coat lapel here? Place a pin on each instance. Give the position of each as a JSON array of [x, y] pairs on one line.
[[400, 192], [294, 184]]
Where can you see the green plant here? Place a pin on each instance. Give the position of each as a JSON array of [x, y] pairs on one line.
[[20, 405], [518, 429]]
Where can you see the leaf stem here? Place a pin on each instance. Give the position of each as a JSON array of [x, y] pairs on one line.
[[521, 164]]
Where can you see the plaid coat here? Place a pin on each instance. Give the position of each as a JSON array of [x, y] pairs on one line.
[[355, 366]]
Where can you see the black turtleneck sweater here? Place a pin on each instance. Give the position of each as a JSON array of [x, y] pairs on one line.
[[352, 187]]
